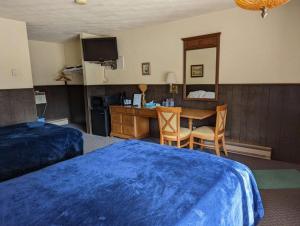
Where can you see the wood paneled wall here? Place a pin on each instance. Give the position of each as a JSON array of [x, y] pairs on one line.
[[57, 102], [16, 106], [64, 102], [90, 91], [76, 103], [266, 115]]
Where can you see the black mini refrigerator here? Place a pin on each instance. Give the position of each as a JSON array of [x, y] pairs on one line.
[[100, 115]]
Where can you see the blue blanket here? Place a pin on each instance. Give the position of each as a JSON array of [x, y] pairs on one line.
[[134, 183], [29, 146]]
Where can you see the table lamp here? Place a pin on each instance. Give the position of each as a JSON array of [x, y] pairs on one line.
[[143, 88], [171, 79]]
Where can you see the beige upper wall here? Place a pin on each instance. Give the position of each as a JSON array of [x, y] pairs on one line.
[[49, 58], [47, 61], [14, 55], [206, 57], [253, 50], [72, 52], [73, 58]]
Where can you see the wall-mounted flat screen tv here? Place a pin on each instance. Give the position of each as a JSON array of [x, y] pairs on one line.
[[100, 49]]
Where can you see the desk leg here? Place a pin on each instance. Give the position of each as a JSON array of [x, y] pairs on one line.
[[190, 123]]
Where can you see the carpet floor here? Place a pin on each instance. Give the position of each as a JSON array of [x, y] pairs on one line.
[[282, 206]]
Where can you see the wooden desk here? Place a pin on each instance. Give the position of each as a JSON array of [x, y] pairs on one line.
[[130, 122], [191, 114]]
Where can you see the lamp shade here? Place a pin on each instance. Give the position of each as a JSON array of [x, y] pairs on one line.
[[171, 78], [80, 2], [259, 4]]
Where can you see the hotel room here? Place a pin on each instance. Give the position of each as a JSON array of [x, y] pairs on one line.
[[150, 112]]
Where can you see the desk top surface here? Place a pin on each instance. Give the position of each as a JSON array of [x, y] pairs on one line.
[[186, 112], [196, 113]]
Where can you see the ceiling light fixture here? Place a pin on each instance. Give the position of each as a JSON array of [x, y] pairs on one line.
[[80, 2], [262, 5]]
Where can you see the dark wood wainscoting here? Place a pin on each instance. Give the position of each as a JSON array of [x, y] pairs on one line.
[[57, 102], [16, 106], [259, 114], [89, 91], [76, 100], [64, 102], [267, 115]]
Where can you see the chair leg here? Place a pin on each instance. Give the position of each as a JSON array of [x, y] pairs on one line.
[[217, 147], [178, 143], [191, 142], [201, 144], [224, 146], [161, 140]]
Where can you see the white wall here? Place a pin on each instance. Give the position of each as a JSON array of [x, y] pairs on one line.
[[253, 50], [73, 57], [72, 52], [14, 55], [49, 58], [47, 61], [207, 57]]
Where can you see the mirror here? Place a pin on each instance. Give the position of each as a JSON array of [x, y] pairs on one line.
[[201, 67]]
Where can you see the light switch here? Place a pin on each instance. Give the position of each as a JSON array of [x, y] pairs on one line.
[[14, 72]]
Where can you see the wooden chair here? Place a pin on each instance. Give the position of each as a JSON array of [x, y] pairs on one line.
[[215, 134], [169, 126]]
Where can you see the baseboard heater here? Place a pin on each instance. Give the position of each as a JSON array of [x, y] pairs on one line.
[[59, 122], [248, 150]]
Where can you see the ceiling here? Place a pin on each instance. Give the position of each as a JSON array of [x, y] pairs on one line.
[[60, 20]]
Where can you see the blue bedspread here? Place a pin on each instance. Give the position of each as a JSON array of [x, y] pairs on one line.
[[134, 183], [29, 146]]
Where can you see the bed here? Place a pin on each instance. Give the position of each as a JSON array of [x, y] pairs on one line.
[[134, 183], [30, 146]]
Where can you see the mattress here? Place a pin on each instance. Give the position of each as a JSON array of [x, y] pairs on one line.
[[30, 146], [134, 183]]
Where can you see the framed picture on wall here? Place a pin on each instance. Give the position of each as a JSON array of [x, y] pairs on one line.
[[197, 70], [146, 68]]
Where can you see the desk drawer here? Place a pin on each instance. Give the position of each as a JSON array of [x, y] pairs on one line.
[[128, 130], [116, 118], [116, 109], [130, 111], [147, 113], [128, 120], [116, 128]]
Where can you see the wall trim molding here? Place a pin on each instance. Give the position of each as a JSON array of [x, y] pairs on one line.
[[57, 85], [16, 89], [220, 84], [249, 150]]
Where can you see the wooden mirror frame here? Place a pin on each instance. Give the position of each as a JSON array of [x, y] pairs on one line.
[[202, 42]]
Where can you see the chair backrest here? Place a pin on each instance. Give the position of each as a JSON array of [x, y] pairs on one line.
[[169, 120], [221, 119]]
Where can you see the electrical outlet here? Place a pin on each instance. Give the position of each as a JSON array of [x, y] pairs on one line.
[[13, 72]]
